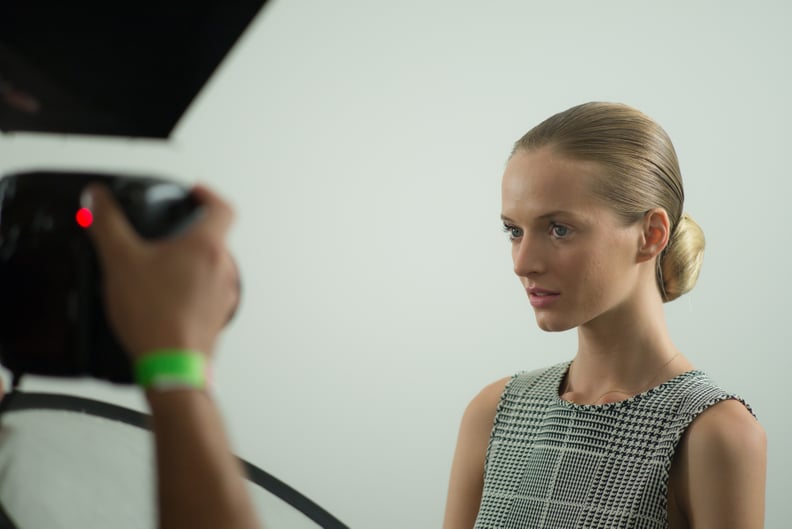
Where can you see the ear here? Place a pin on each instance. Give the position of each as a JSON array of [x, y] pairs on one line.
[[655, 232]]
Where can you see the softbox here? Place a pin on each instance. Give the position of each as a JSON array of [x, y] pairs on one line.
[[118, 68]]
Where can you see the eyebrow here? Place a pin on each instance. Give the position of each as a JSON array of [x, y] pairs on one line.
[[548, 215]]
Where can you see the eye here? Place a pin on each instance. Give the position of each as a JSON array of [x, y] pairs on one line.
[[559, 231], [513, 231]]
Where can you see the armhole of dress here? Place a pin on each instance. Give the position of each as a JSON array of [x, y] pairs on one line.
[[704, 406], [495, 421], [689, 418], [506, 389]]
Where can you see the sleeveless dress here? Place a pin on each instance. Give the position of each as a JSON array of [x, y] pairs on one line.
[[553, 464]]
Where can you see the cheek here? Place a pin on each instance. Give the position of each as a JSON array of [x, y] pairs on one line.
[[609, 273], [595, 277], [600, 275]]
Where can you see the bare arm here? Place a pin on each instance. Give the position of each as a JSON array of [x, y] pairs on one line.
[[199, 481], [178, 293], [467, 470], [720, 468]]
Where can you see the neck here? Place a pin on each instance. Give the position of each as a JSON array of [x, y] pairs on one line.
[[623, 353]]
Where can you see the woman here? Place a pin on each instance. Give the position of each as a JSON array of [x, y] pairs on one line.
[[628, 434]]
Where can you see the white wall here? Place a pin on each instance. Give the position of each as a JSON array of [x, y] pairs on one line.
[[362, 143]]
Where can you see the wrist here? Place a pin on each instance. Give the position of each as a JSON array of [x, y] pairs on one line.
[[172, 369], [166, 404]]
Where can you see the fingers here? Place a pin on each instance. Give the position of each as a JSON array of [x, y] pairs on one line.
[[111, 232], [219, 214], [235, 287]]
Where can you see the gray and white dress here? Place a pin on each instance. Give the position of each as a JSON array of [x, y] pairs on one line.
[[553, 464]]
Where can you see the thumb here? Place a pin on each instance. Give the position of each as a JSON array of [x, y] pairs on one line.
[[111, 232]]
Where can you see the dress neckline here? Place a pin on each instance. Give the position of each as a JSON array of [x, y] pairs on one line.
[[659, 388]]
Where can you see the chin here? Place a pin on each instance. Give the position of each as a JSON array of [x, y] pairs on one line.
[[553, 325]]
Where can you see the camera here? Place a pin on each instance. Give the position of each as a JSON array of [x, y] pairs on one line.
[[52, 318]]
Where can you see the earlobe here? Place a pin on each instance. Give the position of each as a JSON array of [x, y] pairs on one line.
[[655, 234]]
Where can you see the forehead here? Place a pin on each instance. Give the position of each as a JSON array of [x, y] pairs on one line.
[[540, 181]]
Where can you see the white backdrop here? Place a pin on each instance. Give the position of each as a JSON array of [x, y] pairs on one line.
[[362, 143]]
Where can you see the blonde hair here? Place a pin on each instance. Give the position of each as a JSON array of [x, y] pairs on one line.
[[641, 172]]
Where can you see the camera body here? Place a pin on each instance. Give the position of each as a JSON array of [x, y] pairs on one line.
[[52, 317]]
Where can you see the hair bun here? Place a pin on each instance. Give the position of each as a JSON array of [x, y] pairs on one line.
[[681, 260]]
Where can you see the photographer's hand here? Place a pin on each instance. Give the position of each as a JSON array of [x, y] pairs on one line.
[[172, 293], [178, 294]]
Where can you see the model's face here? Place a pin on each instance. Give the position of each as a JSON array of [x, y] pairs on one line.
[[574, 256]]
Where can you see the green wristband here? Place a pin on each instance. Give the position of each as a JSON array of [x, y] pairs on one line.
[[171, 369]]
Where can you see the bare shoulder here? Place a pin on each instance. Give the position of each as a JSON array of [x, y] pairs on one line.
[[467, 469], [729, 428], [720, 469], [479, 416], [485, 403]]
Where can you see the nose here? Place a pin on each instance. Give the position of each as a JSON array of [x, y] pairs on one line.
[[527, 257]]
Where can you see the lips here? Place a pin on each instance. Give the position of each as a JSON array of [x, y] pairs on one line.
[[541, 297]]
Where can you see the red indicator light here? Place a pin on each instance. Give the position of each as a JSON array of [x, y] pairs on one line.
[[84, 217]]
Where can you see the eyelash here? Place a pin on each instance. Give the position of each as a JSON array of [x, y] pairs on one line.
[[510, 229]]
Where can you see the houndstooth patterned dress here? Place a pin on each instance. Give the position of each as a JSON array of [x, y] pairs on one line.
[[553, 464]]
